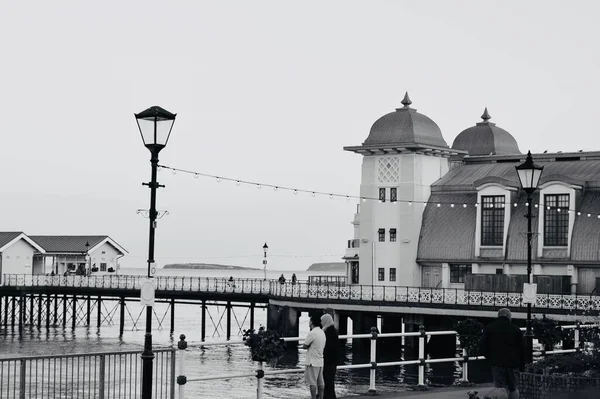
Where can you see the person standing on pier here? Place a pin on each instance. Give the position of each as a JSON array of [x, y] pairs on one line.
[[331, 355], [315, 344], [502, 344]]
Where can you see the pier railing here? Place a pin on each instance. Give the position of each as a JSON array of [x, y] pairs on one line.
[[102, 375], [304, 290], [260, 373]]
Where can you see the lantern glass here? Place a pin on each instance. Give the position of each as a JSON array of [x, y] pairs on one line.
[[265, 248], [529, 174], [155, 126]]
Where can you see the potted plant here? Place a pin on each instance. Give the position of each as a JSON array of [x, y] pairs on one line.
[[547, 332], [94, 269], [111, 270]]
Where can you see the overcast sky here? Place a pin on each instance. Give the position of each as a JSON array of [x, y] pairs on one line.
[[266, 91]]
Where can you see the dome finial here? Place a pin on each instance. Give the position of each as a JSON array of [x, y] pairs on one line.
[[486, 115], [406, 101]]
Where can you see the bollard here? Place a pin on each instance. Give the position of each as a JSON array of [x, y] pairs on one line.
[[181, 378], [465, 370], [422, 338], [259, 380], [577, 327], [374, 333]]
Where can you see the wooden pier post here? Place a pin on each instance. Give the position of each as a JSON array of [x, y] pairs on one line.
[[122, 317], [74, 320], [21, 311], [5, 311], [252, 315], [64, 311], [48, 300], [31, 310], [99, 312], [203, 327], [172, 315], [89, 310], [228, 308], [14, 312], [40, 309], [55, 309]]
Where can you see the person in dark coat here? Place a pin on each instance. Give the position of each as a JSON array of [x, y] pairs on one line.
[[502, 344], [331, 355]]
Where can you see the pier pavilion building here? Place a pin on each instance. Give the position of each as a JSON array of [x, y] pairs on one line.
[[24, 254], [453, 216]]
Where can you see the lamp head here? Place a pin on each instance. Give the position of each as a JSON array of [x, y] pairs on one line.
[[155, 125], [529, 174]]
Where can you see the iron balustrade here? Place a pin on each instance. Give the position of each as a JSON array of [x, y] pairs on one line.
[[260, 373], [102, 375], [304, 290]]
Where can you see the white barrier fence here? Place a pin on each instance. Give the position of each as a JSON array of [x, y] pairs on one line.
[[422, 335]]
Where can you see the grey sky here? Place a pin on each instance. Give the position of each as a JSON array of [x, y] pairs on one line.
[[268, 91]]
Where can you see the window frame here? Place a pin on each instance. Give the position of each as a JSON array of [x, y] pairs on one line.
[[381, 235], [381, 274], [493, 212], [392, 274], [459, 271], [103, 266], [382, 194], [556, 219], [393, 234], [393, 194]]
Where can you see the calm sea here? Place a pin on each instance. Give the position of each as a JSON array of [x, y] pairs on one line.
[[218, 360]]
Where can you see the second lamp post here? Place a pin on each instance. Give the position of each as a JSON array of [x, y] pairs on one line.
[[529, 177], [155, 126]]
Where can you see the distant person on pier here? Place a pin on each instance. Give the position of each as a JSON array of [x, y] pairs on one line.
[[294, 279], [502, 344], [315, 344], [282, 279], [331, 355]]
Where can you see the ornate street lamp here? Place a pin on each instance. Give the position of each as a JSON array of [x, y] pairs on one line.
[[265, 249], [88, 267], [155, 126], [529, 176]]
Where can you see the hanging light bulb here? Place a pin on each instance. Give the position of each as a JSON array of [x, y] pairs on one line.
[[330, 196], [295, 192], [464, 205], [451, 205], [259, 186], [515, 204], [347, 198], [527, 204], [218, 179], [196, 175], [589, 215], [364, 199], [439, 205], [578, 213], [409, 203], [275, 188], [237, 183], [174, 172], [313, 194]]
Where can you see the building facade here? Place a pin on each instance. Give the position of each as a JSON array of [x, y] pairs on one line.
[[453, 217]]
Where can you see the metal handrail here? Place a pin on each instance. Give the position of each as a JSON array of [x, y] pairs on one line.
[[303, 290]]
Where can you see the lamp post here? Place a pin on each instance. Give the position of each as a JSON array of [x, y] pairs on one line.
[[529, 177], [155, 126], [265, 249]]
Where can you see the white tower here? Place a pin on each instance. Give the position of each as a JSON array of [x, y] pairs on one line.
[[402, 156]]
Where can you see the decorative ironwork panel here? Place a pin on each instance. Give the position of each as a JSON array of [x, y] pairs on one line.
[[378, 293], [541, 301], [333, 291], [402, 295], [390, 294], [555, 301], [425, 295], [501, 299], [344, 292], [312, 291], [514, 300], [487, 298], [437, 295], [568, 302], [367, 293], [355, 292], [450, 296], [413, 295], [583, 302]]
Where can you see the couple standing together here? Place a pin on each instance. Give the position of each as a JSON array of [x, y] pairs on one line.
[[322, 357]]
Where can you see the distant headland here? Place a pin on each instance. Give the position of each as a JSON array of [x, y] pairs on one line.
[[327, 267], [205, 266]]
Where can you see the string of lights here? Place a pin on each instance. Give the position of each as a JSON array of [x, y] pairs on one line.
[[199, 258], [333, 195]]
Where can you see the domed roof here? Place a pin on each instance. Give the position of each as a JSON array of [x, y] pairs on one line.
[[485, 138], [405, 126]]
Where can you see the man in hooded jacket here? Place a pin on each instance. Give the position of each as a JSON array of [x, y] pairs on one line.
[[331, 355]]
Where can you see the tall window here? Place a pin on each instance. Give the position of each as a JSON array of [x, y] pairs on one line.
[[102, 267], [556, 220], [393, 194], [393, 274], [382, 194], [381, 234], [354, 269], [492, 220], [458, 273], [393, 235], [381, 274]]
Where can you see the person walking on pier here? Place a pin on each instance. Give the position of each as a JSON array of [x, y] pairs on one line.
[[315, 344], [502, 344], [331, 355]]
